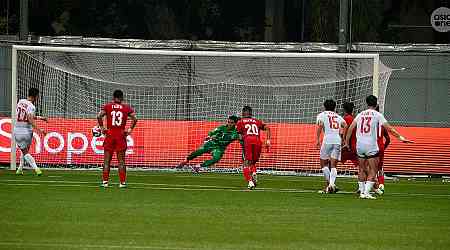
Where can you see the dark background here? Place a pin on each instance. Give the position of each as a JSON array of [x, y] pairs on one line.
[[390, 21]]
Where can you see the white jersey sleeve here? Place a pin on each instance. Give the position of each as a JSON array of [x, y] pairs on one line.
[[341, 120], [381, 119], [31, 110], [319, 119]]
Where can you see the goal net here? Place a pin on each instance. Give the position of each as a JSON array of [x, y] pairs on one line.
[[179, 96]]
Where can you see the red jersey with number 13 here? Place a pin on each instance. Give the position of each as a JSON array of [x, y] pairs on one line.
[[250, 128], [117, 116]]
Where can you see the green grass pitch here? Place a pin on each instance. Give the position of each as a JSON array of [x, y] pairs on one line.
[[160, 210]]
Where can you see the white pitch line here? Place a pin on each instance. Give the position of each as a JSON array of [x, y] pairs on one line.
[[160, 186], [187, 187], [134, 183], [21, 184], [84, 246]]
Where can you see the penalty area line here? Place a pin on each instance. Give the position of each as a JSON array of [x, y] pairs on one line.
[[186, 187], [151, 186]]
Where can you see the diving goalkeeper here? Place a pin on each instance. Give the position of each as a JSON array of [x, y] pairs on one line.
[[215, 144]]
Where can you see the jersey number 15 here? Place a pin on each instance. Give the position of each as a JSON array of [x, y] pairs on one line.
[[333, 123]]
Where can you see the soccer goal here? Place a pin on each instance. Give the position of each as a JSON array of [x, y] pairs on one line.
[[179, 96]]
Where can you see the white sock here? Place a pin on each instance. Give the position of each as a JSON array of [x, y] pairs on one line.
[[28, 158], [326, 173], [21, 162], [368, 187], [333, 175], [361, 187]]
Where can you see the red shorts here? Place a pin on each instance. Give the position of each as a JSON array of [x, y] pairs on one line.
[[381, 158], [349, 155], [252, 151], [115, 142]]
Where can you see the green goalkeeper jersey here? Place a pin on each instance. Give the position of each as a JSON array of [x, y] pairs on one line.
[[222, 136]]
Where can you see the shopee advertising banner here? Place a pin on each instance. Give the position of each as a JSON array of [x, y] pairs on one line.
[[158, 143]]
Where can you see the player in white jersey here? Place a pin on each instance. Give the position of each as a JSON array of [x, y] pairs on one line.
[[367, 124], [23, 130], [333, 126]]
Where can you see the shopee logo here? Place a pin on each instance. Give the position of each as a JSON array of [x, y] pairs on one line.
[[56, 142]]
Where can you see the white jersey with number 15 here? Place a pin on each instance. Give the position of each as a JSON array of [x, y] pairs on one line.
[[331, 126], [367, 126]]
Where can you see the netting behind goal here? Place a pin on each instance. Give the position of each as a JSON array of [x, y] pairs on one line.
[[178, 98]]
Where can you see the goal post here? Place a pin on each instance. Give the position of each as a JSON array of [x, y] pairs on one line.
[[180, 95], [13, 161]]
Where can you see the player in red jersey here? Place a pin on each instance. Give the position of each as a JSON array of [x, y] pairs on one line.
[[249, 128], [349, 154], [383, 141], [117, 114]]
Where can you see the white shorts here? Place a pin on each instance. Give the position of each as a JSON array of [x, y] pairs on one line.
[[23, 137], [328, 151], [366, 150]]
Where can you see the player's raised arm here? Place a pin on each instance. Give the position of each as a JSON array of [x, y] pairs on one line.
[[394, 132], [133, 122], [100, 116], [268, 133], [42, 118]]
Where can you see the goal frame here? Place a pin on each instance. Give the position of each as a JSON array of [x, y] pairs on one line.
[[15, 48]]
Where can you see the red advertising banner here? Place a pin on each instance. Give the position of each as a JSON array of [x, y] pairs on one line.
[[158, 143]]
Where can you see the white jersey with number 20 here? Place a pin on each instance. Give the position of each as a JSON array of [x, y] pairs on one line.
[[24, 108], [23, 132]]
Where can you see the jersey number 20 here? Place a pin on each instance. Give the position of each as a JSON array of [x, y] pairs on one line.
[[116, 117], [252, 129], [21, 115]]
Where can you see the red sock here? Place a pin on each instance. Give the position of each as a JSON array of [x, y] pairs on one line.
[[381, 179], [247, 174], [123, 175], [253, 168], [105, 174]]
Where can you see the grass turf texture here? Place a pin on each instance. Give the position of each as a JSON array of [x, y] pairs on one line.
[[68, 210]]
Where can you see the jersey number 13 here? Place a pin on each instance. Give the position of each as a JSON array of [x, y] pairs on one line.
[[116, 118]]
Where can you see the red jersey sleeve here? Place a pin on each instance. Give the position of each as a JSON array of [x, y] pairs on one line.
[[260, 124], [240, 127], [348, 119], [105, 108], [130, 109]]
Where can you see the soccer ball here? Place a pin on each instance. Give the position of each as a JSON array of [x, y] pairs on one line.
[[96, 131]]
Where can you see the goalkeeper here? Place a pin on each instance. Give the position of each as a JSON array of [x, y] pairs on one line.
[[215, 144]]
